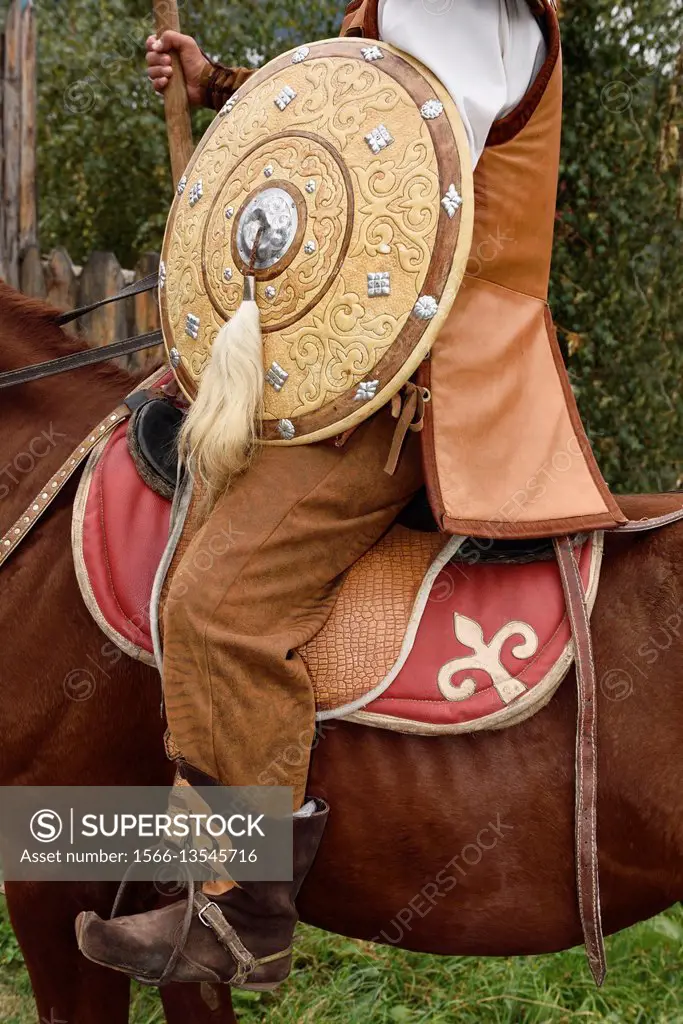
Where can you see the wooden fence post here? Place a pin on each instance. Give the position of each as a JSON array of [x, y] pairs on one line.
[[3, 236], [62, 283], [100, 277], [28, 212], [12, 138], [145, 316], [18, 228], [31, 273]]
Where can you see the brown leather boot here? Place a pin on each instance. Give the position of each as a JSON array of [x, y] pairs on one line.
[[242, 938]]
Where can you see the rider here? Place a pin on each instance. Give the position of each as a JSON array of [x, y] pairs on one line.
[[238, 696]]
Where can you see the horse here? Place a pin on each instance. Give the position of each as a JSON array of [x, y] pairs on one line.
[[74, 713], [445, 845]]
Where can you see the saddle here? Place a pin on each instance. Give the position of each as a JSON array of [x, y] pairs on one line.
[[430, 635]]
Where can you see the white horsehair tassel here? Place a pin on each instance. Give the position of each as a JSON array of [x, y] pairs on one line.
[[221, 427]]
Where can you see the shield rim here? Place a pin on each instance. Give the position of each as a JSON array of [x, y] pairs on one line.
[[463, 220]]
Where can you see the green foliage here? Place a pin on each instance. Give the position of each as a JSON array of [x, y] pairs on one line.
[[617, 287], [102, 155]]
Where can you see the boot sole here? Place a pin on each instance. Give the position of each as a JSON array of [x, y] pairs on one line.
[[147, 983], [265, 986]]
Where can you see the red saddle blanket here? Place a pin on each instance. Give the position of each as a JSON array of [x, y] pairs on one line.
[[418, 642]]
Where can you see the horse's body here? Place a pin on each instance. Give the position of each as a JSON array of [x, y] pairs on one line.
[[447, 845]]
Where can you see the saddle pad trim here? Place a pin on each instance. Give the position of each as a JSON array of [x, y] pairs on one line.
[[77, 528], [517, 712], [179, 510], [441, 560]]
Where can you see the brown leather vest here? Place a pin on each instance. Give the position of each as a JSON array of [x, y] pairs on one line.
[[504, 448]]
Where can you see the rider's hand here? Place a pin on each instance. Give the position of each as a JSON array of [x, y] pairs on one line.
[[192, 60]]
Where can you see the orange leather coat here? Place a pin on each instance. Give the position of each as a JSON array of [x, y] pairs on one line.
[[505, 452]]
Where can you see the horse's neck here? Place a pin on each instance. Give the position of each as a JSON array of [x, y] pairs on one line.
[[42, 422]]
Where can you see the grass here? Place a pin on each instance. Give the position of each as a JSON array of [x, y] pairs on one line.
[[339, 981]]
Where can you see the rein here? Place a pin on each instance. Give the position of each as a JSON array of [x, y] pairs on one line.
[[89, 356]]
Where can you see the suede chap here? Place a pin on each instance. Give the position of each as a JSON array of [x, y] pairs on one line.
[[256, 581]]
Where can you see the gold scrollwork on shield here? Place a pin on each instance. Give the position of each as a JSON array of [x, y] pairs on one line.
[[351, 178]]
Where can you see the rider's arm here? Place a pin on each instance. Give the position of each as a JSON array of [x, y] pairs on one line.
[[219, 82], [486, 52], [208, 83]]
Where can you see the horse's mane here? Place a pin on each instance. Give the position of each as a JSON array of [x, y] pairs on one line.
[[33, 323]]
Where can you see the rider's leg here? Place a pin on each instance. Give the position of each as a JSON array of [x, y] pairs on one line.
[[257, 581]]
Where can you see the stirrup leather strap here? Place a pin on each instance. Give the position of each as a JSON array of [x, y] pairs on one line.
[[587, 873], [211, 916]]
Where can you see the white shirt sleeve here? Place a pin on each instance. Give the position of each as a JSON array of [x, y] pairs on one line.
[[486, 52]]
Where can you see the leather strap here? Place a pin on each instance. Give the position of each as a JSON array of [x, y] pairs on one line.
[[408, 407], [643, 525], [210, 914], [74, 361], [145, 284], [42, 501], [587, 868], [11, 540]]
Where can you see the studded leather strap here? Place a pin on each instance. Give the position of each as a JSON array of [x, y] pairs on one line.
[[42, 501], [587, 873]]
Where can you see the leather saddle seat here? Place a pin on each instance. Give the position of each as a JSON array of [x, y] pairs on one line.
[[152, 442]]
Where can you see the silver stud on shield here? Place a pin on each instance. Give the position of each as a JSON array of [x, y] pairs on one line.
[[425, 308], [379, 138], [366, 391], [452, 201], [228, 105], [276, 376], [196, 192], [285, 97], [372, 53], [431, 109], [286, 430], [379, 284], [192, 326]]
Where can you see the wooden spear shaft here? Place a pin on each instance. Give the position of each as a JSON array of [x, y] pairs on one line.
[[176, 105]]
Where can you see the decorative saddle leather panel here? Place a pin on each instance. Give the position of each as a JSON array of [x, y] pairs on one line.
[[119, 532], [492, 647], [416, 643]]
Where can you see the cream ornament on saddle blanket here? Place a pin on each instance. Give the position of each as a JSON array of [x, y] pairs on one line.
[[333, 194]]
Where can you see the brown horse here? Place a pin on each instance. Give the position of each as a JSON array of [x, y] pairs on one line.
[[73, 711], [445, 845]]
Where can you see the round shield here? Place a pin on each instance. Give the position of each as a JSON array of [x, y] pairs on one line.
[[340, 177]]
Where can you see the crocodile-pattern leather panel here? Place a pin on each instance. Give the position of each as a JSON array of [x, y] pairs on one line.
[[362, 639]]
